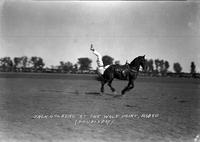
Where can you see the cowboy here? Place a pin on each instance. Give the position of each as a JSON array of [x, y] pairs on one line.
[[100, 66]]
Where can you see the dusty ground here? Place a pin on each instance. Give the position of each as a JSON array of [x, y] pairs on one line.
[[69, 108]]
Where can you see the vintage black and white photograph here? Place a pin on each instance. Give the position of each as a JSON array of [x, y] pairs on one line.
[[99, 71]]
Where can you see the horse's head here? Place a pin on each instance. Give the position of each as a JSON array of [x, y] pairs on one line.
[[139, 61], [142, 61]]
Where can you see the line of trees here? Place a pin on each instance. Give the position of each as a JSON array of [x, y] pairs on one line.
[[23, 64], [157, 67], [162, 66]]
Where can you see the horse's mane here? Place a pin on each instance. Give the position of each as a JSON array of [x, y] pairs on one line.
[[135, 61]]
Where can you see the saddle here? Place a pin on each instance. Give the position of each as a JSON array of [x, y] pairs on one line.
[[124, 70]]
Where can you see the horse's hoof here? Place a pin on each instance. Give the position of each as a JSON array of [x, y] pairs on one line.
[[122, 95]]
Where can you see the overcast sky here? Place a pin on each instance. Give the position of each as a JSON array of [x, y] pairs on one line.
[[63, 31]]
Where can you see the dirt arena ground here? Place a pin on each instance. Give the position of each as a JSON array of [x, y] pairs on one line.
[[55, 107]]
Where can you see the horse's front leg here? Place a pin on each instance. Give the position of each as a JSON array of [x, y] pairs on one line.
[[131, 86], [110, 85], [128, 87]]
